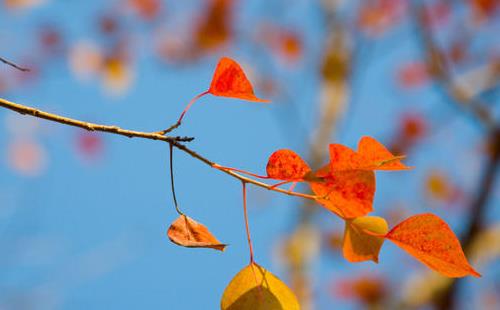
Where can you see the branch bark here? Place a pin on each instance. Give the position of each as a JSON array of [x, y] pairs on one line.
[[10, 63], [174, 141]]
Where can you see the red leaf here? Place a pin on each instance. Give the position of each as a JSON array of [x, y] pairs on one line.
[[344, 158], [371, 155], [347, 193], [378, 156], [229, 80], [286, 165], [430, 240], [146, 9], [413, 74]]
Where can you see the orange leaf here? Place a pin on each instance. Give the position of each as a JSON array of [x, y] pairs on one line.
[[347, 193], [363, 238], [430, 240], [286, 165], [186, 232], [343, 158], [371, 155], [229, 80], [378, 156], [214, 29]]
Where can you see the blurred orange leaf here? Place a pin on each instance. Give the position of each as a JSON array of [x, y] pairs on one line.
[[430, 240], [22, 4], [117, 75], [347, 193], [146, 9], [363, 238], [485, 8], [255, 288], [186, 232], [229, 80], [214, 28], [369, 289], [286, 165], [27, 157], [413, 74]]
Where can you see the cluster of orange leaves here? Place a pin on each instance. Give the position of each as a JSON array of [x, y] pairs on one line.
[[346, 187]]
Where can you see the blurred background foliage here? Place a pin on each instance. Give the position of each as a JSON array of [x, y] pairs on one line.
[[83, 215]]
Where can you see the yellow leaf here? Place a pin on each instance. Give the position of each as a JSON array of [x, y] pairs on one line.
[[363, 238], [255, 288]]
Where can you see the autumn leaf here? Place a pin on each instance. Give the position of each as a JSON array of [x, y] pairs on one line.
[[430, 240], [146, 9], [229, 80], [117, 75], [349, 193], [413, 74], [214, 29], [344, 158], [286, 165], [371, 155], [378, 156], [363, 238], [255, 288], [186, 232], [369, 289]]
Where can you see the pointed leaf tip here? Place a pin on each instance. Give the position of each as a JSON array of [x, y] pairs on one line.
[[186, 232], [229, 80], [255, 288], [371, 155], [431, 241], [379, 156]]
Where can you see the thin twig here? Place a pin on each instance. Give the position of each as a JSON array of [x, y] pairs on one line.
[[22, 109], [171, 148], [175, 141], [247, 227], [10, 63]]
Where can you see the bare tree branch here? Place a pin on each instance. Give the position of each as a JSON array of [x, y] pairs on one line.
[[10, 63], [174, 141]]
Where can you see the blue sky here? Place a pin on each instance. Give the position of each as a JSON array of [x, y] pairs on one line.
[[93, 235]]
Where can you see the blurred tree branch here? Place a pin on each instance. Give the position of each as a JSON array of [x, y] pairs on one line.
[[447, 298], [10, 63], [442, 73]]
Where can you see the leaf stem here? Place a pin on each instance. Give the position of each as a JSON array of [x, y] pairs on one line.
[[172, 179], [245, 213], [217, 166]]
